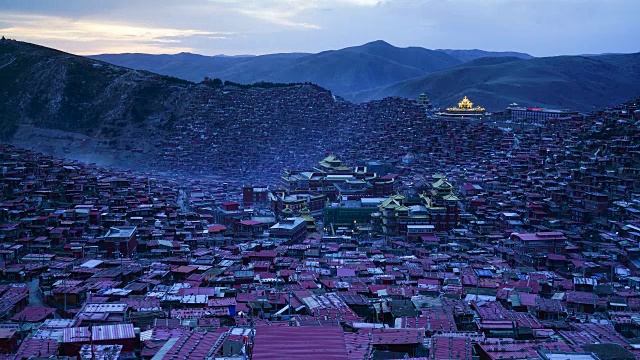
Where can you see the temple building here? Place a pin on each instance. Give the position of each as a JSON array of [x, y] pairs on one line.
[[442, 204], [424, 101], [333, 179], [465, 109], [331, 164], [438, 210]]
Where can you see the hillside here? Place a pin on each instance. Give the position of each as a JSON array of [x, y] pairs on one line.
[[65, 104], [84, 109], [575, 82], [79, 108], [342, 71], [194, 67]]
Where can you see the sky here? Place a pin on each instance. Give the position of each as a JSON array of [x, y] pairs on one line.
[[238, 27]]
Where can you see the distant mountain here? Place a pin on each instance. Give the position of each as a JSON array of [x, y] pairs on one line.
[[469, 55], [343, 71], [575, 82]]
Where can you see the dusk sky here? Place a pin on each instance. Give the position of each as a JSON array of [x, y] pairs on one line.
[[232, 27]]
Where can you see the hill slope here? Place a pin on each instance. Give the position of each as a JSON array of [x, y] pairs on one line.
[[84, 109], [575, 82], [52, 89], [62, 103]]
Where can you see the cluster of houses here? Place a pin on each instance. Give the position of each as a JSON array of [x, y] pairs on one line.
[[472, 240], [249, 136]]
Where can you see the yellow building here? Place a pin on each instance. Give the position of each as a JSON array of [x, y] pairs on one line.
[[465, 109]]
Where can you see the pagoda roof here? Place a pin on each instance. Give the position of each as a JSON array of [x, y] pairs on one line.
[[465, 105], [442, 184], [392, 202], [332, 162], [451, 197]]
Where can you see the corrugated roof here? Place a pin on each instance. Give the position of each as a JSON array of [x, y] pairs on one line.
[[98, 333], [305, 342]]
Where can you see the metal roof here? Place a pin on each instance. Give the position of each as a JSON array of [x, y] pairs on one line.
[[98, 333], [312, 343]]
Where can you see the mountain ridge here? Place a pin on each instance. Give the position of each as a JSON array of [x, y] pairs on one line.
[[575, 82], [347, 70], [378, 69]]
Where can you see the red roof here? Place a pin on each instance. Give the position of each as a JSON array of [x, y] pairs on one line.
[[250, 222], [448, 347], [397, 336], [217, 228], [283, 342], [33, 314], [556, 257], [41, 348]]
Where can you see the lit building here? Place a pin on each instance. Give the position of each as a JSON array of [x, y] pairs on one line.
[[348, 212], [536, 115], [465, 109]]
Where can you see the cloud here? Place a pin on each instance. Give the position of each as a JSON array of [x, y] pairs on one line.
[[99, 36], [540, 27], [284, 12], [277, 16]]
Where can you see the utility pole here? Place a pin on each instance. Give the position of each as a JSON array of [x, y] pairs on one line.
[[289, 304], [277, 290], [477, 281], [91, 341]]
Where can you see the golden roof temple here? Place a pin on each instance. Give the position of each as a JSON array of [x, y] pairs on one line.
[[465, 108]]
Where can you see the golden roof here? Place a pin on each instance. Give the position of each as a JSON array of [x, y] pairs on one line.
[[466, 105]]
